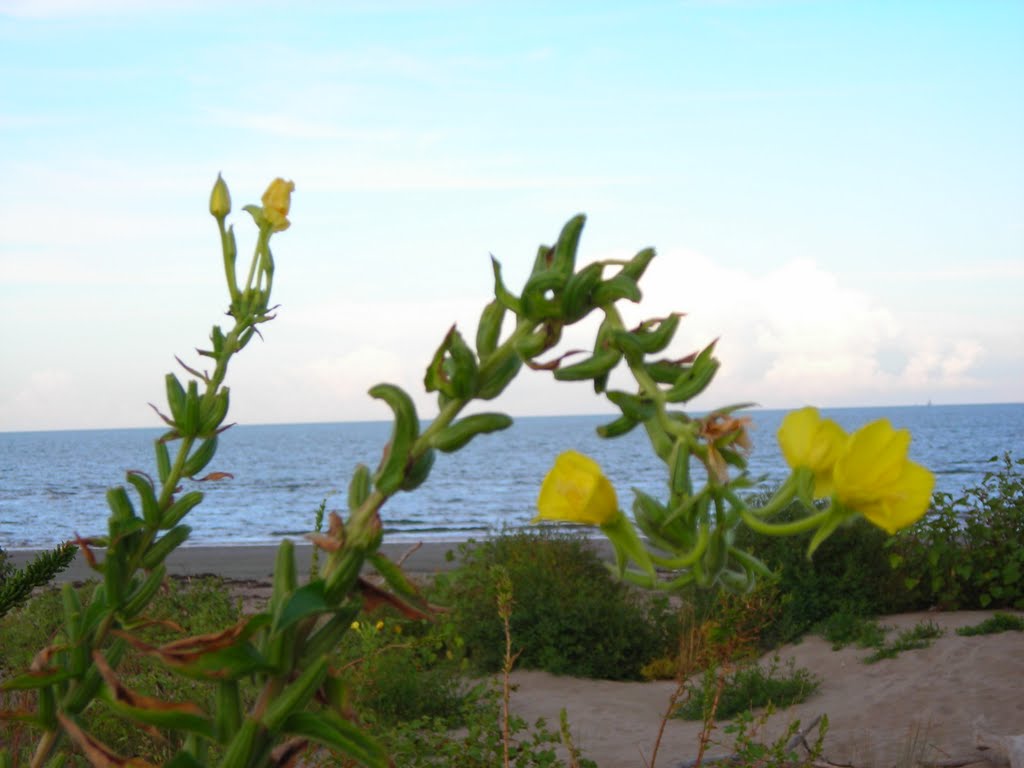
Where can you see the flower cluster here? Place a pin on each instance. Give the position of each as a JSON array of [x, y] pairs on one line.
[[867, 473]]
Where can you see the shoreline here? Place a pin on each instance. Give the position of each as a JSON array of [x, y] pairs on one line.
[[236, 562]]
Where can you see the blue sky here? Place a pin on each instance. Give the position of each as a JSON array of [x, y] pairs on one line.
[[834, 188]]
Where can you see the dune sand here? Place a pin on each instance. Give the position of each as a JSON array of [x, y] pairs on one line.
[[875, 711]]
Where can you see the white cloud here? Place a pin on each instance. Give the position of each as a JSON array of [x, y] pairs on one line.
[[795, 334], [48, 391]]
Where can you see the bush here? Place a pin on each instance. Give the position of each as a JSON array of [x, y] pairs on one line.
[[850, 574], [842, 629], [748, 687], [570, 615], [399, 670], [968, 552]]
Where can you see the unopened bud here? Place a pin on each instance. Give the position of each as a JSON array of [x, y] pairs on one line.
[[220, 199]]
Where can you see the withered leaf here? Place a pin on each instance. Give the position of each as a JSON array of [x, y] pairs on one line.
[[214, 476], [287, 754], [552, 365], [125, 695], [98, 753]]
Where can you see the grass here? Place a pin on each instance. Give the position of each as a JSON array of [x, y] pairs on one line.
[[747, 688], [999, 622], [918, 636]]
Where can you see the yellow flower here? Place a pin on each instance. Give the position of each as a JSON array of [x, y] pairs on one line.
[[379, 626], [355, 625], [276, 202], [874, 477], [576, 491], [809, 441]]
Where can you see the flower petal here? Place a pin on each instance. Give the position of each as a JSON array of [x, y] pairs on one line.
[[796, 435], [904, 502], [575, 490]]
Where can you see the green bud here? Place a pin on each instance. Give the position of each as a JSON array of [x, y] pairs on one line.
[[220, 199]]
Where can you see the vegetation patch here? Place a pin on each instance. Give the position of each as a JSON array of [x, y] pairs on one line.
[[999, 622], [724, 696], [918, 636], [570, 615], [842, 629]]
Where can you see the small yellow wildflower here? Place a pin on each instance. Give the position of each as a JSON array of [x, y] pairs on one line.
[[576, 491], [874, 477], [811, 442], [277, 201]]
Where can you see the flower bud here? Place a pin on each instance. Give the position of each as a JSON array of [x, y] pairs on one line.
[[220, 200], [276, 202]]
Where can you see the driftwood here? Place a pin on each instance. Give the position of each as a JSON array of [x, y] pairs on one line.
[[1000, 749]]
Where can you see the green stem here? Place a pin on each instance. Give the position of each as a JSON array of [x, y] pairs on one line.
[[229, 262], [784, 529], [782, 498]]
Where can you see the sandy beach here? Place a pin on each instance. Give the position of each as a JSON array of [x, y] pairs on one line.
[[935, 696], [256, 563]]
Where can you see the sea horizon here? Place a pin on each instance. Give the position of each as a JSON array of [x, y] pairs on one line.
[[53, 483], [157, 425]]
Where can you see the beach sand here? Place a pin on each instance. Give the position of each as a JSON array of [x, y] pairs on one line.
[[933, 696]]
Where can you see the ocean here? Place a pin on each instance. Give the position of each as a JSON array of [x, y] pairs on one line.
[[53, 484]]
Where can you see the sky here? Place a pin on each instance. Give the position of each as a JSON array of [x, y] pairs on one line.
[[835, 191]]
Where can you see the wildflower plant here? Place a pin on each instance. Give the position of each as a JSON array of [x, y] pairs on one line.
[[692, 533], [283, 652]]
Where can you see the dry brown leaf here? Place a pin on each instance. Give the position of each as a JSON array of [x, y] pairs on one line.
[[125, 695], [98, 753]]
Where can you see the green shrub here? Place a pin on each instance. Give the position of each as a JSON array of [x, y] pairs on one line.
[[749, 752], [850, 574], [748, 687], [842, 629], [399, 670], [570, 616], [968, 551], [999, 622]]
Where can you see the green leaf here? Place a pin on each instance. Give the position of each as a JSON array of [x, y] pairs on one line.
[[168, 719], [305, 601], [229, 663], [394, 576], [30, 680], [334, 731]]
